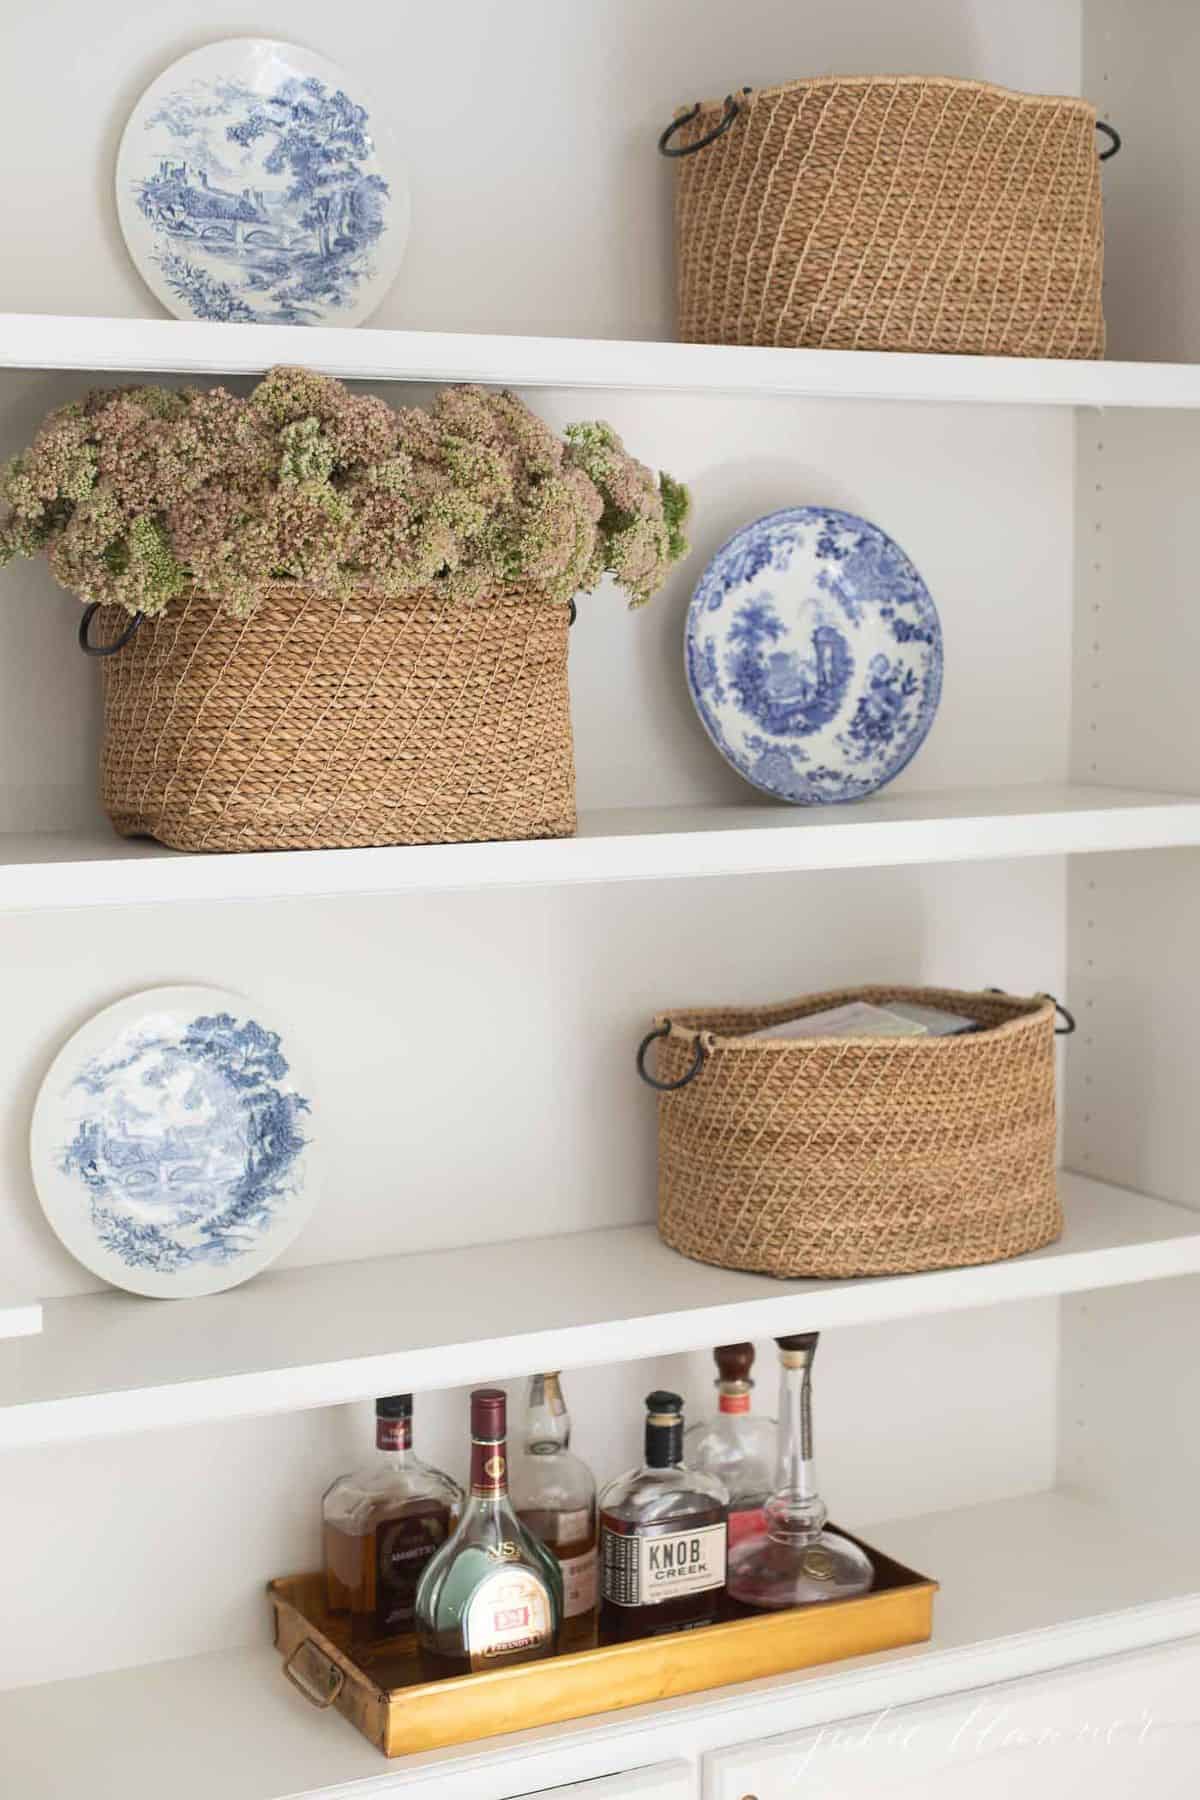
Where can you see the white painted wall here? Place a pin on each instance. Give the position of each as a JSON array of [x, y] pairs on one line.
[[474, 1052], [538, 201], [159, 1546], [1139, 65]]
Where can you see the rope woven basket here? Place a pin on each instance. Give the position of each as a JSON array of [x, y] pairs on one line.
[[891, 213], [867, 1156], [327, 724]]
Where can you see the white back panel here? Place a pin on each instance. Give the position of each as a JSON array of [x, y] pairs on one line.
[[1131, 1114], [159, 1546], [473, 1053], [539, 203], [995, 557], [1140, 64]]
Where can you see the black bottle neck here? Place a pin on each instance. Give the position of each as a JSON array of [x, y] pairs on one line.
[[664, 1444]]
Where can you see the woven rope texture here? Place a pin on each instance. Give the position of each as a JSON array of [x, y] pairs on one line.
[[874, 1156], [323, 723], [894, 214]]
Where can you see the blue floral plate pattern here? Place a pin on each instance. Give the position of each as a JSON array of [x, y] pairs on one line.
[[256, 184], [814, 655], [172, 1143]]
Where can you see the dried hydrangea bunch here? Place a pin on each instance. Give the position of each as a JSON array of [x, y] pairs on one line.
[[140, 495]]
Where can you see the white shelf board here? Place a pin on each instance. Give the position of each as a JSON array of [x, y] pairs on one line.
[[1027, 1585], [19, 1318], [110, 1362], [148, 346], [63, 869]]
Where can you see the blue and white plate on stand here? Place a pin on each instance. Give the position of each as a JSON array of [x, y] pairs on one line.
[[814, 655], [258, 183], [172, 1142]]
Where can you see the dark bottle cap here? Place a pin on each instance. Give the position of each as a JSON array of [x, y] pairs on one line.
[[801, 1343], [489, 1414], [664, 1430], [734, 1361], [394, 1406]]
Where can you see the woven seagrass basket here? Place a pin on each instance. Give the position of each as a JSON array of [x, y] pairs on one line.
[[867, 1156], [891, 213], [328, 724]]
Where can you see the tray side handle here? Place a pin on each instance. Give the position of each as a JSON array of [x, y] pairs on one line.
[[316, 1675]]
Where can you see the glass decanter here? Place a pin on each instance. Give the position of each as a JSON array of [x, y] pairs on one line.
[[738, 1446], [797, 1561]]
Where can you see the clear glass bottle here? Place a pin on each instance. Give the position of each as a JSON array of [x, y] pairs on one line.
[[382, 1524], [554, 1493], [797, 1560], [492, 1596], [662, 1537], [738, 1446]]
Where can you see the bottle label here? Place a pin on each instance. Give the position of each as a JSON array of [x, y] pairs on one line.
[[746, 1522], [509, 1615], [489, 1468], [579, 1583], [570, 1527], [393, 1434], [403, 1546], [642, 1570], [733, 1403]]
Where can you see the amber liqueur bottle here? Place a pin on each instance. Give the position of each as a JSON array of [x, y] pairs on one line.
[[492, 1596], [381, 1526], [662, 1537], [555, 1496]]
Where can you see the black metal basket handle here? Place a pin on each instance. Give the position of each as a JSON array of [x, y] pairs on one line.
[[732, 109], [668, 1087], [85, 642], [1068, 1026]]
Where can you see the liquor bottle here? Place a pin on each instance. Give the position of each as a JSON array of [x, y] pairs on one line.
[[555, 1497], [662, 1537], [492, 1596], [797, 1560], [382, 1525], [739, 1446]]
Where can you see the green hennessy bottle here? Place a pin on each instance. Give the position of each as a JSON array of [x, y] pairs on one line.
[[492, 1596]]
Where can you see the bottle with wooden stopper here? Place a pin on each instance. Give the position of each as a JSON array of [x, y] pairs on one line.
[[554, 1493], [738, 1445]]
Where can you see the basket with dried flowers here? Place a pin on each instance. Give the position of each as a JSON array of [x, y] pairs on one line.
[[340, 623]]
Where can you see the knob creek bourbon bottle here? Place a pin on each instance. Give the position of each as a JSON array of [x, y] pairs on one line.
[[663, 1532]]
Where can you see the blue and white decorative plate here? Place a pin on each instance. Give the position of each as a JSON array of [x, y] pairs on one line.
[[814, 655], [257, 183], [172, 1142]]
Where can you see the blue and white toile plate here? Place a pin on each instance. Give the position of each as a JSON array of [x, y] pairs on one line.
[[172, 1142], [814, 655], [257, 184]]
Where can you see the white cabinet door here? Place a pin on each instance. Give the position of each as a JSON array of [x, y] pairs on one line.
[[661, 1781], [1126, 1728]]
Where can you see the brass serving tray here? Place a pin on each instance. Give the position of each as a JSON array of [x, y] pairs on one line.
[[383, 1692]]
